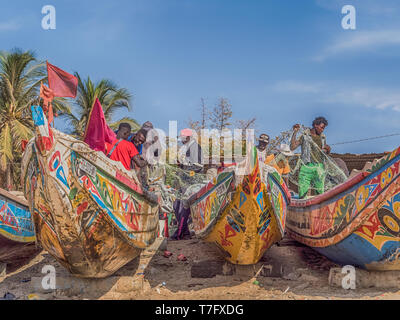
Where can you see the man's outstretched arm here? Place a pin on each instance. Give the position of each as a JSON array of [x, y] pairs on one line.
[[294, 143]]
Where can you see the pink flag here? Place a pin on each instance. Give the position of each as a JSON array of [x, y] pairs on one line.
[[97, 131]]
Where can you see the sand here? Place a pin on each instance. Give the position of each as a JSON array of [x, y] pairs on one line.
[[154, 277]]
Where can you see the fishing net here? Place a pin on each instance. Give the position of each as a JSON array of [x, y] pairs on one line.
[[311, 168], [176, 182]]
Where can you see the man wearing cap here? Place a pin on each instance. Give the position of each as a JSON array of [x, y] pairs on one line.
[[189, 159], [190, 156], [263, 142]]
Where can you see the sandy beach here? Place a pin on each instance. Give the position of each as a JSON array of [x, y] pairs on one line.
[[303, 275]]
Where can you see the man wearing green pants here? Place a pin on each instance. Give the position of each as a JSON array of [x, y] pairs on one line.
[[313, 144]]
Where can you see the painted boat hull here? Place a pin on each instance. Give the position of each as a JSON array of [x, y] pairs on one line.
[[89, 212], [17, 235], [242, 219], [356, 223]]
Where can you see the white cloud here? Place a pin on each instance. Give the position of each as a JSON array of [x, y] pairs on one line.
[[361, 41], [370, 97]]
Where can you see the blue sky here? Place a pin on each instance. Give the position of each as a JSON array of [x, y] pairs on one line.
[[281, 61]]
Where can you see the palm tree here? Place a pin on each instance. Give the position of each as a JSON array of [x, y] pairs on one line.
[[20, 78], [111, 98]]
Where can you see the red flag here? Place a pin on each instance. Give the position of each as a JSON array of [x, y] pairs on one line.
[[62, 83], [97, 131]]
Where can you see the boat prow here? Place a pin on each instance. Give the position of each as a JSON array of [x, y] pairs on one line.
[[242, 215]]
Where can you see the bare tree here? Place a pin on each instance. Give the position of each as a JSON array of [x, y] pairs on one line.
[[246, 124], [197, 125], [221, 115], [204, 114], [194, 125]]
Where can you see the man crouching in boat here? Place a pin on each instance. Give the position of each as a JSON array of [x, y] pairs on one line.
[[312, 170], [127, 153], [121, 149]]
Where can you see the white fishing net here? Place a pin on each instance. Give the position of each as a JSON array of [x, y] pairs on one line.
[[311, 168]]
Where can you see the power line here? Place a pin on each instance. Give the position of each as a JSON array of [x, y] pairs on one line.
[[367, 139]]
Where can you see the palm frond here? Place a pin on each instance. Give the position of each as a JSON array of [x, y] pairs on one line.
[[110, 96], [6, 147], [134, 124]]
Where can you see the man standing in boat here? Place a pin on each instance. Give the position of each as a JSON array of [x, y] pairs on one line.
[[313, 146], [263, 142], [190, 158]]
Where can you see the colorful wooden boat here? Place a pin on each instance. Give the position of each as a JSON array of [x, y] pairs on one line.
[[356, 223], [242, 215], [89, 212], [17, 235]]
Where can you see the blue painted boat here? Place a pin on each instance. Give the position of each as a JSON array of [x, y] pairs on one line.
[[17, 235], [358, 222]]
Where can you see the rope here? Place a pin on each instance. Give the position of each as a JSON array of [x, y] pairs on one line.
[[72, 148], [367, 139]]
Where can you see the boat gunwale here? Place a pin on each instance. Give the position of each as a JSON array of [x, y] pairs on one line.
[[284, 191], [287, 200], [195, 200], [208, 229], [357, 216], [99, 155], [320, 201], [14, 198]]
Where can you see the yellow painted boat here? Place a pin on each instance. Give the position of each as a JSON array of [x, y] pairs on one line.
[[89, 212], [243, 215]]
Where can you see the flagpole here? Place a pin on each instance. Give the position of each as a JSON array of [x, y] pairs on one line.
[[48, 82]]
